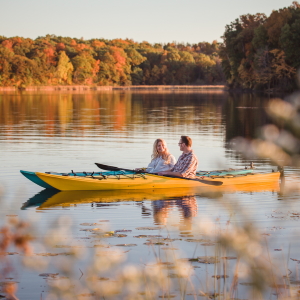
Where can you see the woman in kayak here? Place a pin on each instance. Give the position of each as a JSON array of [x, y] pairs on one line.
[[162, 160]]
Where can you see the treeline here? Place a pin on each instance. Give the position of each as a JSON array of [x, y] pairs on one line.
[[262, 52], [55, 60]]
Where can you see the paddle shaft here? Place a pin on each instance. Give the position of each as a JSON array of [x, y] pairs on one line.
[[112, 168]]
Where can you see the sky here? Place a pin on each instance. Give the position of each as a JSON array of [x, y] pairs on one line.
[[155, 21]]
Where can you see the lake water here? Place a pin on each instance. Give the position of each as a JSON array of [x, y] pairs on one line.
[[56, 131]]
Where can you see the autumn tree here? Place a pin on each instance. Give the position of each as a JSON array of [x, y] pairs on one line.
[[261, 52], [55, 60], [64, 69]]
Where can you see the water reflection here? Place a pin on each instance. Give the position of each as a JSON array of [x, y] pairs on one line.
[[162, 200], [49, 198], [187, 206], [71, 114], [244, 115]]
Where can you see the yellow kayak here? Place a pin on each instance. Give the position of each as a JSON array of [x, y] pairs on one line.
[[148, 181]]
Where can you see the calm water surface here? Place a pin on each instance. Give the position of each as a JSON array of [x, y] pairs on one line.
[[71, 131]]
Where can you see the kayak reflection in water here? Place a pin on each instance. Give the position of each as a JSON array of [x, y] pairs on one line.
[[187, 163], [187, 206], [162, 160]]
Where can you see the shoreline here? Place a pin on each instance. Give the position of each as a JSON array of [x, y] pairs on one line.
[[114, 88]]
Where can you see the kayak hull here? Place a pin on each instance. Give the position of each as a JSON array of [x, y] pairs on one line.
[[34, 178], [134, 182]]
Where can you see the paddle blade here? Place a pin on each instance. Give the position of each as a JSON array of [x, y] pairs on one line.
[[107, 167], [210, 182], [111, 168]]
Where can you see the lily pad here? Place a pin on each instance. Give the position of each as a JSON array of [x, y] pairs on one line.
[[209, 295], [94, 230], [186, 235], [149, 228], [169, 248], [160, 240], [193, 259], [207, 259], [154, 243], [126, 245], [54, 254], [102, 246], [147, 236], [197, 241], [89, 224], [49, 275]]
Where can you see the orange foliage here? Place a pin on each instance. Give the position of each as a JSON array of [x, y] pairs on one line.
[[8, 44], [98, 44], [73, 43], [119, 58], [121, 41], [16, 40], [60, 46], [96, 67], [80, 47], [50, 53]]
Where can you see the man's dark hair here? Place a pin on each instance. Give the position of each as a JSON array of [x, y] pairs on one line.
[[187, 140]]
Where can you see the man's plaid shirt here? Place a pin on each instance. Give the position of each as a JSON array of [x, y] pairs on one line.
[[186, 165]]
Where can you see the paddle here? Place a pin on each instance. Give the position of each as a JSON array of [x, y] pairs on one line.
[[112, 168]]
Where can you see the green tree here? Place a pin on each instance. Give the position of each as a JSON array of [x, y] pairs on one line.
[[64, 69], [85, 68]]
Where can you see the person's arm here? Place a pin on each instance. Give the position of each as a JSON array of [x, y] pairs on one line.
[[150, 167], [172, 162]]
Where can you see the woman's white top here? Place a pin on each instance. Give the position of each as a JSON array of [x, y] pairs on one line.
[[160, 165]]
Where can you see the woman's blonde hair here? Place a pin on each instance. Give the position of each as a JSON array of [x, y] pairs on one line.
[[155, 154]]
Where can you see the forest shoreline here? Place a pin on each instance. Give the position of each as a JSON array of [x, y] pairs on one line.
[[113, 88]]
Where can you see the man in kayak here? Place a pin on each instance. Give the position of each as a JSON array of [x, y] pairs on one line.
[[187, 163]]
